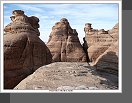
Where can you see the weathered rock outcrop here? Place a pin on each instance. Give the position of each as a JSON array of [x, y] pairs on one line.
[[108, 61], [24, 51], [97, 43], [63, 76], [64, 43]]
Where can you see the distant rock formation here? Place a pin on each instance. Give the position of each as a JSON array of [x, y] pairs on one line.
[[24, 52], [97, 43], [64, 43]]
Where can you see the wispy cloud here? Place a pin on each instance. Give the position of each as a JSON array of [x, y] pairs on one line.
[[6, 17], [5, 7], [100, 15], [29, 7]]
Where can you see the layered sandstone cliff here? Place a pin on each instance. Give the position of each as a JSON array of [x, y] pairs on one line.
[[24, 51], [64, 43], [102, 47]]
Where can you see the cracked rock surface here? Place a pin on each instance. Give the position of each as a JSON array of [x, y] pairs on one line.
[[68, 76]]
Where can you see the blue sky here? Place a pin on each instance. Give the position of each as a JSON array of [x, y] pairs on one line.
[[102, 16]]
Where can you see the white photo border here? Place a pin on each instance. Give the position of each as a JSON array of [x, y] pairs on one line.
[[119, 90]]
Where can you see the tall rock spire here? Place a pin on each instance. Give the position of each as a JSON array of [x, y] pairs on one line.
[[64, 43]]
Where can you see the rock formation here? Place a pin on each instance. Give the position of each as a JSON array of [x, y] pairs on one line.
[[24, 52], [98, 43], [63, 76], [108, 61], [64, 43]]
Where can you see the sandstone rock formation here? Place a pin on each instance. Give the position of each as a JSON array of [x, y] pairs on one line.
[[64, 43], [68, 76], [24, 52], [108, 61], [98, 43]]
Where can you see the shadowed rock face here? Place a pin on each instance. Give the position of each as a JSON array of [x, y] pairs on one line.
[[108, 61], [24, 52], [99, 43], [64, 43]]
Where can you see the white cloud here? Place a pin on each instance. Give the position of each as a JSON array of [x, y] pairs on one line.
[[5, 7], [30, 7], [6, 17], [100, 15]]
